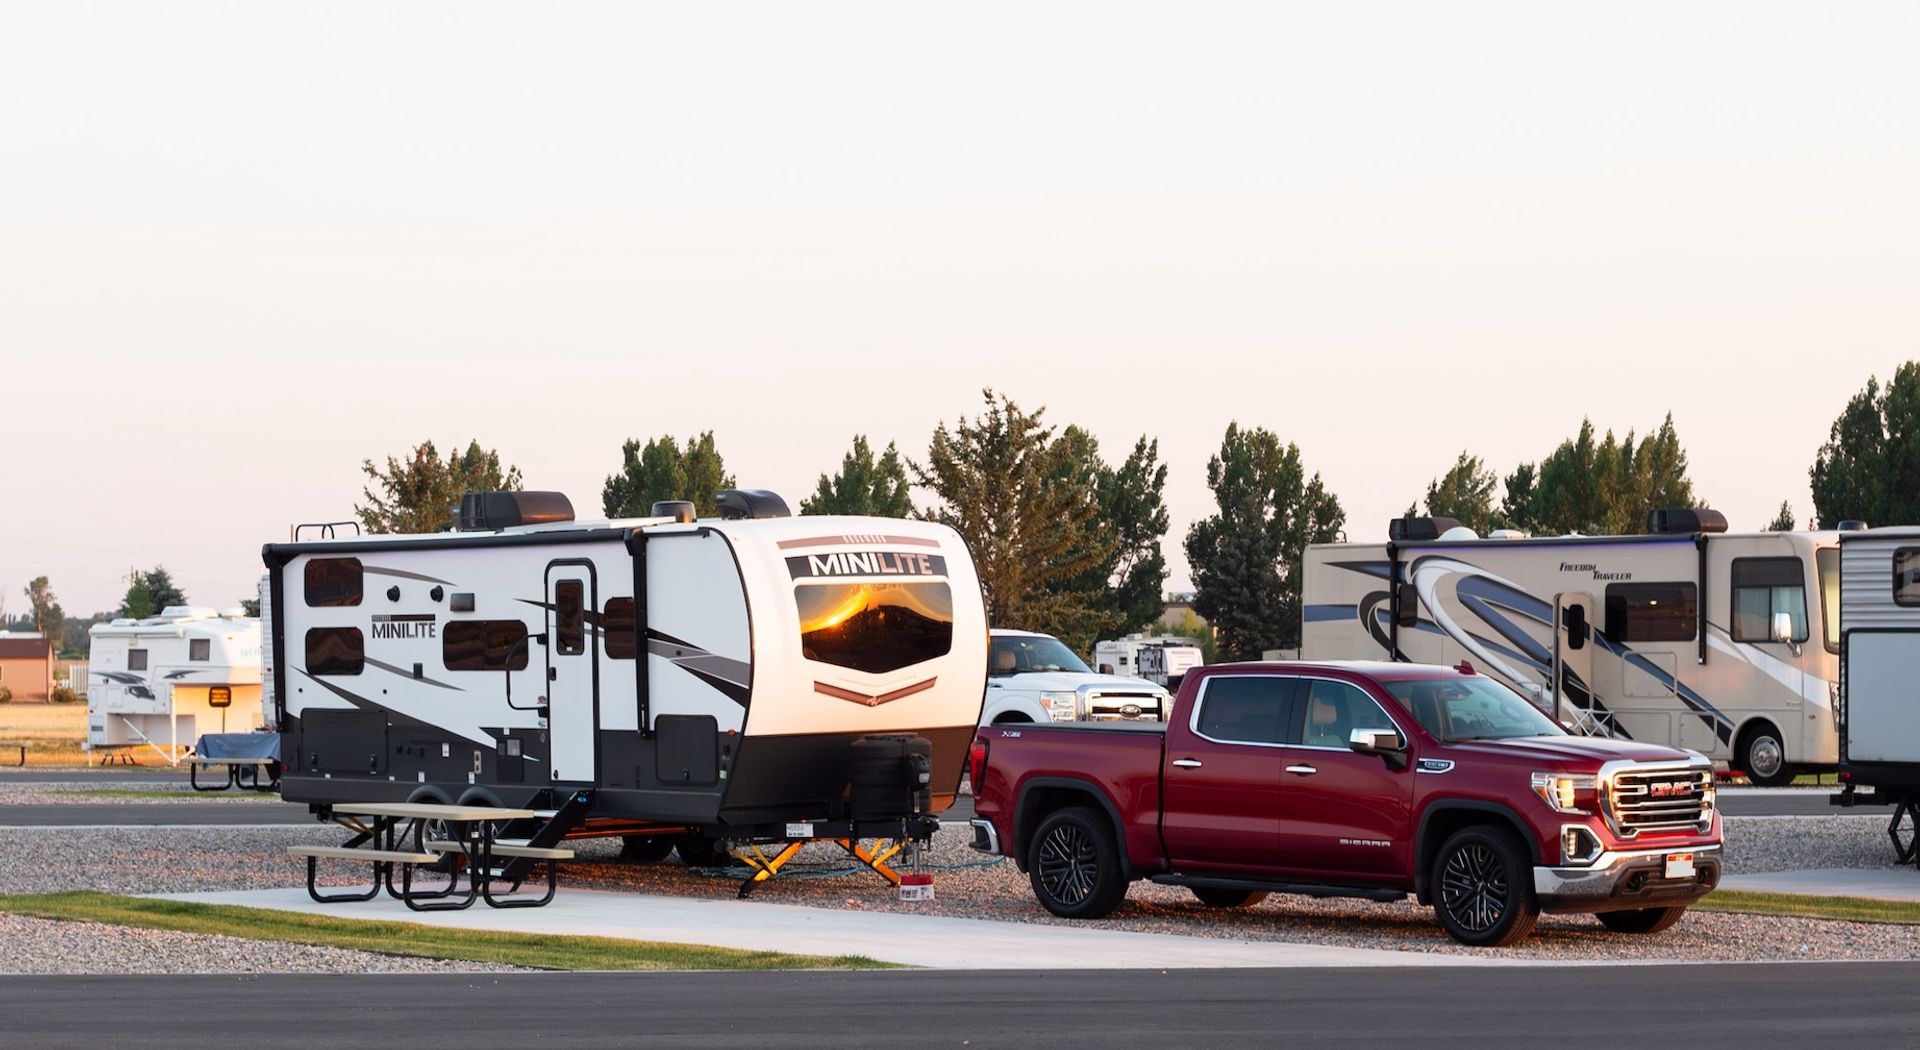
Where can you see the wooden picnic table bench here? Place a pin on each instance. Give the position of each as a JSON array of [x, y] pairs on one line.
[[550, 856], [380, 842]]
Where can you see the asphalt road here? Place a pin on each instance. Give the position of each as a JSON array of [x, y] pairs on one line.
[[1795, 1005]]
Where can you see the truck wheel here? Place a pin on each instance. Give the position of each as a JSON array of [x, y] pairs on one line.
[[1483, 892], [1762, 757], [1641, 920], [1219, 898], [645, 849], [1074, 865], [698, 852]]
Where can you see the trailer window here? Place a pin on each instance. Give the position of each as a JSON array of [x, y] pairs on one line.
[[333, 581], [1247, 709], [617, 630], [200, 649], [336, 650], [875, 627], [136, 659], [484, 645], [1763, 587], [1827, 561], [1652, 612], [569, 617], [1906, 576]]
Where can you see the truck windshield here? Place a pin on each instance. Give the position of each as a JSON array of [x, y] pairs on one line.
[[1459, 709], [1018, 654]]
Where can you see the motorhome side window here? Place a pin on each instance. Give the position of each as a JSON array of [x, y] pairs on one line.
[[333, 581], [616, 630], [570, 617], [136, 659], [1652, 612], [1906, 576], [1827, 560], [200, 649], [1762, 588], [484, 645], [336, 650], [874, 627]]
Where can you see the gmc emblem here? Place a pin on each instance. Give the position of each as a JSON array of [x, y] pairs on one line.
[[1670, 789]]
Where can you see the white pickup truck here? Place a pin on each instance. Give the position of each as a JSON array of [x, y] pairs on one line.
[[1036, 678]]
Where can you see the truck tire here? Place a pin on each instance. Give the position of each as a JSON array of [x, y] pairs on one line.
[[1762, 756], [1074, 864], [1483, 888], [1214, 897], [645, 849], [1641, 920]]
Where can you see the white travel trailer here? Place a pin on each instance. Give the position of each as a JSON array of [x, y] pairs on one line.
[[1727, 644], [1879, 719], [748, 678], [1161, 659], [164, 680]]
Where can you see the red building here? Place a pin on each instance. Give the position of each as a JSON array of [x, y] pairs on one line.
[[26, 665]]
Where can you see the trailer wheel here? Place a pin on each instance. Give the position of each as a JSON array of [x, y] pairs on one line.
[[1483, 888], [1762, 756], [1214, 897], [697, 851], [645, 849], [1074, 864], [1641, 920]]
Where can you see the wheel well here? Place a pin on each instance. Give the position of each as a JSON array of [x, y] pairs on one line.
[[1440, 825], [1746, 731], [1012, 718], [1041, 801]]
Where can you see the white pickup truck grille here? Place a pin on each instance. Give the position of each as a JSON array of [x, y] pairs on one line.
[[1105, 706]]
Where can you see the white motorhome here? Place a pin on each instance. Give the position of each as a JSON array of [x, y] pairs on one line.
[[1727, 644], [750, 677], [164, 680], [1879, 720], [1162, 659]]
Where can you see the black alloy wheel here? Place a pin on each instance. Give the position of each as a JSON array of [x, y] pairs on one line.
[[1483, 892], [1074, 865]]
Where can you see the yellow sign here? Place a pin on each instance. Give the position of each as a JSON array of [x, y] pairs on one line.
[[219, 696]]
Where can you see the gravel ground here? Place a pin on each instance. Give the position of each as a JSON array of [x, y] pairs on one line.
[[58, 793], [46, 946], [969, 886]]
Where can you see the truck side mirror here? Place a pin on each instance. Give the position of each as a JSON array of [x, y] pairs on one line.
[[1383, 742]]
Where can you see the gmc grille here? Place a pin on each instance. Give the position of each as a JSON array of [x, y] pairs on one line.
[[1123, 707], [1658, 799]]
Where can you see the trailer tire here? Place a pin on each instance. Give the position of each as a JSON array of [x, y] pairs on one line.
[[1483, 887], [645, 849], [697, 851], [1641, 920], [1074, 864], [1215, 897], [1762, 756]]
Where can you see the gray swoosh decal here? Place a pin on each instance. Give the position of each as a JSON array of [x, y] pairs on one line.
[[407, 673], [403, 574]]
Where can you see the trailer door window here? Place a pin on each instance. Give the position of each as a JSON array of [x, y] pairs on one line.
[[1906, 576], [336, 650], [333, 581], [1827, 560], [1763, 587], [875, 627], [1652, 612], [570, 617], [617, 630], [484, 645]]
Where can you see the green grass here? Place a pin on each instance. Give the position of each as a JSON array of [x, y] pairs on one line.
[[1853, 909], [543, 951], [137, 793]]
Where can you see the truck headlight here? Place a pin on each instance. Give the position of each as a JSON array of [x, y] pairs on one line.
[[1567, 792], [1061, 707]]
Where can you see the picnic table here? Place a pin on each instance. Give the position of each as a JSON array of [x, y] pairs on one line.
[[243, 757], [392, 836]]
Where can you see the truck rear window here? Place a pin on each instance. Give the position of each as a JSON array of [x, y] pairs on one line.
[[874, 627]]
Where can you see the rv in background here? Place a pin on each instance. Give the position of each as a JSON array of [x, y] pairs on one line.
[[1879, 721], [1726, 644], [1161, 659], [164, 680]]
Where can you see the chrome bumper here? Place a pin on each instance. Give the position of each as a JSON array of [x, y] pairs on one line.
[[985, 839], [1626, 879]]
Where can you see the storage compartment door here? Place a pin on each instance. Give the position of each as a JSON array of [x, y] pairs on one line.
[[1882, 695]]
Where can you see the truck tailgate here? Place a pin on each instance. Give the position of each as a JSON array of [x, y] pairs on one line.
[[1117, 764]]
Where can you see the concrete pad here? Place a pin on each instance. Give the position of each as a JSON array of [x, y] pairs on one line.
[[1887, 884], [916, 940]]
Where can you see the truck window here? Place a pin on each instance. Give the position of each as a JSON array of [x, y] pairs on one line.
[[1827, 560], [1652, 612], [874, 627], [1246, 709], [1335, 709], [1457, 709], [1763, 587]]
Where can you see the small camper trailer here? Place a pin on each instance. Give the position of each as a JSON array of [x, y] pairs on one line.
[[745, 678], [164, 680], [1879, 709], [1162, 659]]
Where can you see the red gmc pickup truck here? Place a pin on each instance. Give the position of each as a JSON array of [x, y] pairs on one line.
[[1371, 780]]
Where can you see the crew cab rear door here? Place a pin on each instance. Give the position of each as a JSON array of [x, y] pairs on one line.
[[1220, 795]]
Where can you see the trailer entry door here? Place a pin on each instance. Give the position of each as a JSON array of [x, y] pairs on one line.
[[573, 677]]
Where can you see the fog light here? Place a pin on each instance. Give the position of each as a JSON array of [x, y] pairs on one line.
[[1578, 844]]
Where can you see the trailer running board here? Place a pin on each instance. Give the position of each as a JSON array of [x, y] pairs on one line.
[[1303, 889]]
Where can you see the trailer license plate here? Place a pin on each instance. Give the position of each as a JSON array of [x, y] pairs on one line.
[[1679, 865], [799, 831]]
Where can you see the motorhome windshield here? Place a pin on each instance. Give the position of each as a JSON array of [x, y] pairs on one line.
[[1018, 654], [875, 627], [1459, 709]]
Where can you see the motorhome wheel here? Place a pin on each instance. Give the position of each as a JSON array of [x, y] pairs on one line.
[[697, 851], [1762, 757]]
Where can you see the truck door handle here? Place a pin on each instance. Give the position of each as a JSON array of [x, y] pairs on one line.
[[1187, 763], [1303, 771]]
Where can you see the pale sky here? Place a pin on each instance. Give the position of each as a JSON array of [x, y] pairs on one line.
[[244, 246]]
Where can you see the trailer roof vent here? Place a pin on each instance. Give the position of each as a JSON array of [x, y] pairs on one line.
[[486, 511], [680, 510], [735, 504], [1851, 525], [1403, 530], [1507, 534], [1672, 521]]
